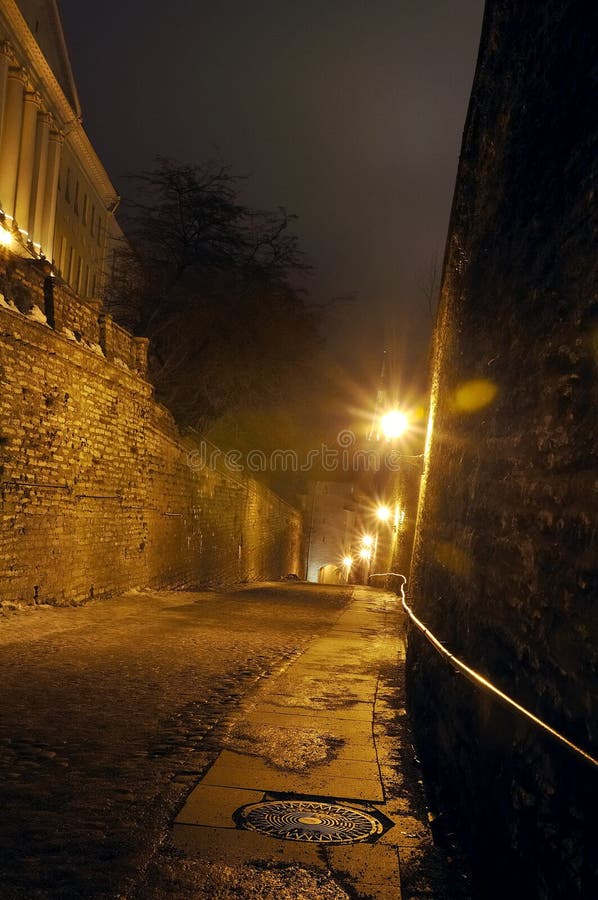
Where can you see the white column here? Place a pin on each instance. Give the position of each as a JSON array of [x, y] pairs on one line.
[[4, 66], [11, 140], [50, 191], [40, 171], [26, 157]]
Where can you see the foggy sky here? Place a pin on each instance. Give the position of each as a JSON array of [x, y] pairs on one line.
[[348, 113]]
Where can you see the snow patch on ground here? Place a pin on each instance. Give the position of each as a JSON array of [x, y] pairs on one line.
[[306, 748], [6, 303], [95, 348], [36, 314], [69, 335], [212, 881]]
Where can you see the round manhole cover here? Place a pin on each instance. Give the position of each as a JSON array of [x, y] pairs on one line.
[[310, 820]]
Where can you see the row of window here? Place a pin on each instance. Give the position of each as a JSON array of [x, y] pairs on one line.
[[79, 274], [81, 204]]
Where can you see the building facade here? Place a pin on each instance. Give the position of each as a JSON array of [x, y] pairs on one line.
[[56, 199], [330, 529]]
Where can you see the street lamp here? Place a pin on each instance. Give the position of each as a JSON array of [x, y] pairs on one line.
[[367, 551], [6, 237], [347, 566], [383, 513], [394, 424]]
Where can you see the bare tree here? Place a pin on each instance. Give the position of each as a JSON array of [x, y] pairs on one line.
[[221, 297]]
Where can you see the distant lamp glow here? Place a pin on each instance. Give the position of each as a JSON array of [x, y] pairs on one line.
[[367, 540], [347, 561], [365, 553], [5, 237], [383, 513], [394, 424]]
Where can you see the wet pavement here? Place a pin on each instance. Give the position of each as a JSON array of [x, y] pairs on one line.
[[116, 715]]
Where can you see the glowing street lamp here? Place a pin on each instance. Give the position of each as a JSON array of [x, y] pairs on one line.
[[367, 541], [365, 553], [394, 424], [347, 561], [383, 513], [6, 237]]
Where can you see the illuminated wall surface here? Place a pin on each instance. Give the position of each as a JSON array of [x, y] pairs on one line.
[[55, 194], [96, 492], [329, 530], [505, 569]]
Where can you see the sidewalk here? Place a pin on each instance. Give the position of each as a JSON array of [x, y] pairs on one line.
[[321, 730]]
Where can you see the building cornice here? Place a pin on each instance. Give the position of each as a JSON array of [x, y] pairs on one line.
[[67, 118]]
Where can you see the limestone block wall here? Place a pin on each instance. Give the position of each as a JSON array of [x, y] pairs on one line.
[[506, 559], [96, 491]]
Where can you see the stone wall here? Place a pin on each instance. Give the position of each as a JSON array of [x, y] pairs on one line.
[[96, 491], [506, 561], [394, 537]]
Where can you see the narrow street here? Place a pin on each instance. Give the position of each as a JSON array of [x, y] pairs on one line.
[[112, 713]]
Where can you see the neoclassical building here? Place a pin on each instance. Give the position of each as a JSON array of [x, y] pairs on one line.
[[56, 199]]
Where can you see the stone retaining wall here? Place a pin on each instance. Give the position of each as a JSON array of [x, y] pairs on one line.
[[506, 558], [96, 491]]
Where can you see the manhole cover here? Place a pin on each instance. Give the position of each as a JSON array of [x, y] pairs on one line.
[[310, 820]]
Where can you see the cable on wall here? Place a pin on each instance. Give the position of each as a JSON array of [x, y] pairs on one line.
[[478, 679]]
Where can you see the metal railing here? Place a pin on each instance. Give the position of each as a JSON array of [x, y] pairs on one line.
[[478, 679]]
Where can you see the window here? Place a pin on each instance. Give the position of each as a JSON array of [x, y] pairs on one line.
[[62, 256], [85, 209], [67, 189], [71, 266], [76, 203]]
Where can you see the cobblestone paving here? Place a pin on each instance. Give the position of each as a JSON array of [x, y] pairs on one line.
[[111, 711]]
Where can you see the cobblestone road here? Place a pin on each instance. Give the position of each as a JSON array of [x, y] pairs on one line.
[[110, 711]]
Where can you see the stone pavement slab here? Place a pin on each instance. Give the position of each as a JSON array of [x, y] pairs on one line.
[[307, 733], [346, 779], [374, 867], [286, 707], [323, 721], [213, 806], [227, 846]]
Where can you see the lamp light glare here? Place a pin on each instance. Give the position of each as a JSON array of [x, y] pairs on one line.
[[347, 561], [394, 424], [6, 238], [367, 540], [383, 513], [365, 553]]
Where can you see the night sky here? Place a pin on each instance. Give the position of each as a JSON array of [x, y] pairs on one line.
[[348, 113]]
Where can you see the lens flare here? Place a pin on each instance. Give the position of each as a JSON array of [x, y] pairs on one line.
[[394, 424], [6, 237], [472, 396]]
